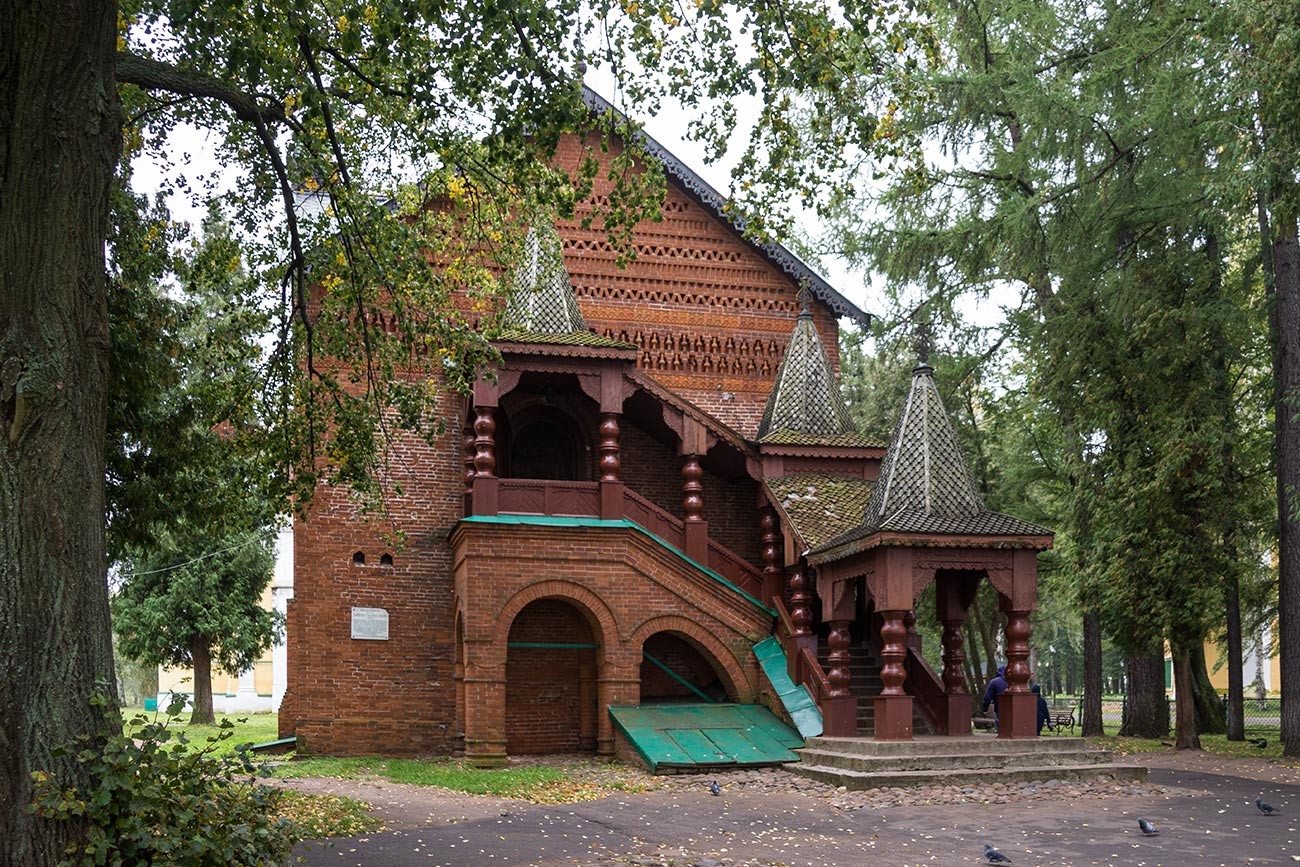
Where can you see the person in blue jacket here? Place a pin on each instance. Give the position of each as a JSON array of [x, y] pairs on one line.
[[996, 687], [1043, 715]]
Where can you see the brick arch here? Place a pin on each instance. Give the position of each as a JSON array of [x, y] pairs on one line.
[[733, 676], [602, 618]]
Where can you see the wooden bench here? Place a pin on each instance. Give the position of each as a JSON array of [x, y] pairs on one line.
[[984, 723]]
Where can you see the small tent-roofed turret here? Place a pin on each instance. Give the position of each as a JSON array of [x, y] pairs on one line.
[[541, 297], [925, 484], [805, 403]]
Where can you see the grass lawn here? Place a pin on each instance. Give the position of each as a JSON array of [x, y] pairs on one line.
[[327, 815], [245, 728], [540, 783]]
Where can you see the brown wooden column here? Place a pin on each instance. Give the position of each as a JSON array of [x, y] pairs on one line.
[[468, 441], [802, 635], [893, 708], [1017, 707], [953, 595], [773, 575], [485, 461], [696, 528], [840, 706], [611, 484]]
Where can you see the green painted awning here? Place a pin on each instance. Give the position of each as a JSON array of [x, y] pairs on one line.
[[675, 737]]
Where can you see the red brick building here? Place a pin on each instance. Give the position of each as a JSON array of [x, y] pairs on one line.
[[660, 476]]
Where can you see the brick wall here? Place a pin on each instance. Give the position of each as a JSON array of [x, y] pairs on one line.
[[352, 696], [709, 313], [546, 688]]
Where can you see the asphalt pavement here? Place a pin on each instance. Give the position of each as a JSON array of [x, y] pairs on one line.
[[1204, 818]]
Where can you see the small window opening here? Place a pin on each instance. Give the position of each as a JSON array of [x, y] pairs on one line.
[[359, 558], [385, 559]]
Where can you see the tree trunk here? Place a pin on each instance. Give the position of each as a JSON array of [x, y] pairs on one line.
[[1090, 724], [1205, 698], [1148, 709], [1236, 722], [1185, 711], [1284, 325], [60, 132], [201, 712], [978, 681]]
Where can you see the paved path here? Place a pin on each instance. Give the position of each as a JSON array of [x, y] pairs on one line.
[[1206, 817]]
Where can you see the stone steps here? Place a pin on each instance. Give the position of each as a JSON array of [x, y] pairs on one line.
[[964, 761], [860, 763]]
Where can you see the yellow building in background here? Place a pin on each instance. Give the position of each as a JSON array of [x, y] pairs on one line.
[[261, 687]]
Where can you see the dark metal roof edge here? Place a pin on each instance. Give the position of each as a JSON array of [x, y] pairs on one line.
[[702, 192]]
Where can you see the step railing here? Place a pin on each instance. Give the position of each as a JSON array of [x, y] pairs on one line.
[[582, 500]]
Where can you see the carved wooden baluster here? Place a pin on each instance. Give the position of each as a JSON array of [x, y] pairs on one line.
[[468, 441], [838, 660], [954, 658], [485, 427], [609, 454], [1017, 633], [771, 537], [693, 490], [800, 601], [893, 650]]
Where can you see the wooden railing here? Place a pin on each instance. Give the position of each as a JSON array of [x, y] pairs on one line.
[[545, 497], [926, 688], [582, 499], [735, 569], [812, 677], [644, 513]]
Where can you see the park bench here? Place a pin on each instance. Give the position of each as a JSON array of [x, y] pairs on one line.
[[1062, 713]]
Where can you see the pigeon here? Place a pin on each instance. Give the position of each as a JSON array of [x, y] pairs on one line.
[[994, 856], [1266, 809], [1148, 829], [715, 788]]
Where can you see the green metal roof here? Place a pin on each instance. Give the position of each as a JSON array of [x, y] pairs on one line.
[[701, 737]]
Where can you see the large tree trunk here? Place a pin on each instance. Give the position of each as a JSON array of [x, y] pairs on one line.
[[59, 142], [201, 712], [1185, 737], [1236, 722], [1091, 725], [1205, 698], [1148, 709], [1284, 325]]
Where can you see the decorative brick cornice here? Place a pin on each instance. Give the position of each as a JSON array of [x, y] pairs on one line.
[[706, 196]]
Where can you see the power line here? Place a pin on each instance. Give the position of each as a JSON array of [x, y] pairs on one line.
[[195, 560]]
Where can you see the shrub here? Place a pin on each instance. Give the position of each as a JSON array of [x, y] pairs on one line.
[[155, 800]]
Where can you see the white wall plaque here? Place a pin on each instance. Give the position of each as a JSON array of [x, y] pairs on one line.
[[370, 624]]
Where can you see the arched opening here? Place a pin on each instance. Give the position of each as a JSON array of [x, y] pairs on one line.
[[546, 443], [551, 670], [674, 668]]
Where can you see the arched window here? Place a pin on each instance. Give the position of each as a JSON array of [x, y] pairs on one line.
[[545, 443]]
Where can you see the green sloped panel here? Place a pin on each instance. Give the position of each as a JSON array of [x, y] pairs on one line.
[[798, 704], [701, 748]]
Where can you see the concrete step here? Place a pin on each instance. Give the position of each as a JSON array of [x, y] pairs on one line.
[[958, 762], [938, 746], [898, 779]]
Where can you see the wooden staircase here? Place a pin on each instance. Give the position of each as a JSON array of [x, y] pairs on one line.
[[865, 684]]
